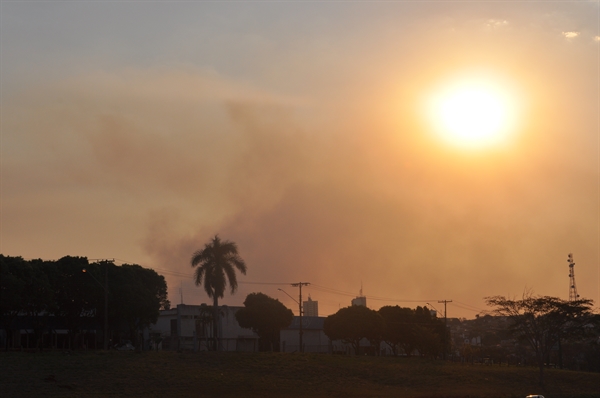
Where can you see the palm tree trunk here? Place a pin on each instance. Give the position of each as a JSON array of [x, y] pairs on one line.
[[215, 323]]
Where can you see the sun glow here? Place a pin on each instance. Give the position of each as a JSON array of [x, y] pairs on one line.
[[472, 114]]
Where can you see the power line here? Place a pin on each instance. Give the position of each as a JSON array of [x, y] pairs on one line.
[[397, 300], [343, 293], [326, 290], [467, 307], [321, 288]]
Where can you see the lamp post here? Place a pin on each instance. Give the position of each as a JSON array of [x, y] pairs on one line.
[[295, 301], [436, 310], [105, 287], [445, 337], [300, 332]]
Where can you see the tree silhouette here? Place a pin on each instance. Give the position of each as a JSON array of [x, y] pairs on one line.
[[49, 293], [399, 331], [266, 316], [412, 329], [12, 292], [542, 321], [136, 296], [352, 324], [216, 265]]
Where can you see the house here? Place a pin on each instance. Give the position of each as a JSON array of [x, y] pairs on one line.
[[189, 327], [313, 337]]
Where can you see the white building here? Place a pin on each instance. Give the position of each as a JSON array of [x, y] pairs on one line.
[[313, 338], [189, 327], [311, 308], [360, 300]]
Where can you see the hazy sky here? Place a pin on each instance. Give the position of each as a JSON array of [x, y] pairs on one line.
[[139, 130]]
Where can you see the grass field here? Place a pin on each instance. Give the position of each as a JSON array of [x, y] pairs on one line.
[[172, 374]]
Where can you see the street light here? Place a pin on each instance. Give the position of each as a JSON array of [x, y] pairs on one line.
[[105, 287], [436, 310], [445, 324], [296, 301]]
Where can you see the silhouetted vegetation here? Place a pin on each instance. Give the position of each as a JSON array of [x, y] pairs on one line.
[[354, 323], [413, 329], [266, 316], [70, 294], [216, 264], [543, 322]]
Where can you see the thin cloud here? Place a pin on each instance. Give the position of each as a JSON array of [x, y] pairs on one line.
[[570, 35], [496, 23]]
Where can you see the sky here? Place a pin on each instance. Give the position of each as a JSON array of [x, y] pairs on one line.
[[304, 132]]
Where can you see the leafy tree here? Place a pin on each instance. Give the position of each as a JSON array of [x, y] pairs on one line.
[[266, 316], [429, 339], [39, 299], [412, 329], [12, 292], [352, 324], [136, 295], [216, 264], [38, 289], [76, 295], [40, 294], [399, 330], [432, 333], [542, 320]]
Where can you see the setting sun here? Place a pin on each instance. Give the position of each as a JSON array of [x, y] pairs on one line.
[[472, 114]]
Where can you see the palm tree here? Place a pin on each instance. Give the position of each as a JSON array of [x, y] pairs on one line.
[[216, 265]]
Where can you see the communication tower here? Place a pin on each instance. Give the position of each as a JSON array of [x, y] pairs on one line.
[[572, 286]]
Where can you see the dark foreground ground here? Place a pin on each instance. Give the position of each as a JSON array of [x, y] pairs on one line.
[[171, 374]]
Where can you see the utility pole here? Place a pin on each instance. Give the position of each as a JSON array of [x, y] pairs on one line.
[[105, 305], [299, 285], [445, 326]]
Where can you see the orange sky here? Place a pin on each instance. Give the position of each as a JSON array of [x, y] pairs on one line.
[[139, 131]]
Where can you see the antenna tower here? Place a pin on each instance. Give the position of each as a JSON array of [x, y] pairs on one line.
[[572, 286]]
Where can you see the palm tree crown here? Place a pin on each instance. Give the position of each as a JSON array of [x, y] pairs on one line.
[[216, 265]]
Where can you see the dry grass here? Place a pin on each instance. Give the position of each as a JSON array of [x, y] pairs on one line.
[[167, 374]]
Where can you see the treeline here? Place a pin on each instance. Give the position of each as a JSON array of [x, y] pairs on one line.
[[545, 324], [72, 294], [405, 330]]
